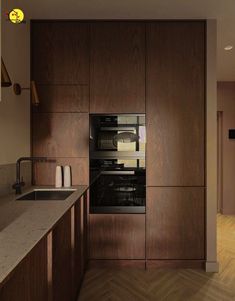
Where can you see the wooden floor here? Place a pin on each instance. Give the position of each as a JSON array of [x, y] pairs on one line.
[[170, 285]]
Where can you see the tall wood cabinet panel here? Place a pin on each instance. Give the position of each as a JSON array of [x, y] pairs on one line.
[[175, 103], [117, 236], [62, 98], [117, 67], [29, 279], [80, 243], [61, 134], [62, 259], [175, 223], [60, 52]]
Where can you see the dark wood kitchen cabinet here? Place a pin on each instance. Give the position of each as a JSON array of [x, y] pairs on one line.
[[79, 243], [175, 103], [29, 280], [69, 243], [64, 135], [62, 99], [62, 259], [60, 52], [117, 67], [117, 236], [175, 223]]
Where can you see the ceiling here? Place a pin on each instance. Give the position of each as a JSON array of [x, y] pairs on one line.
[[222, 10]]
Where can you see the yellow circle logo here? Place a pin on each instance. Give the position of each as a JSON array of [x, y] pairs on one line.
[[16, 16]]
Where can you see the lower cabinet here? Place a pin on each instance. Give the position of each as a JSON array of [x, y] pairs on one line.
[[175, 223], [69, 241], [53, 270], [79, 242], [61, 259], [28, 281], [117, 236]]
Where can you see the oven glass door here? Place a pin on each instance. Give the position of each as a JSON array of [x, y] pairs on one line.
[[118, 192]]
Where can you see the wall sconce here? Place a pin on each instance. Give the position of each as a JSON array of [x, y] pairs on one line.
[[34, 94], [5, 78]]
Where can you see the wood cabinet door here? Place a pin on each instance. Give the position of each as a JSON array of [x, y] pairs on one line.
[[117, 236], [62, 99], [61, 135], [175, 103], [62, 259], [78, 266], [175, 223], [29, 280], [117, 67], [60, 52]]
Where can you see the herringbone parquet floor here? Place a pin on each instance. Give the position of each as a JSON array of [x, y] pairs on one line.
[[169, 285]]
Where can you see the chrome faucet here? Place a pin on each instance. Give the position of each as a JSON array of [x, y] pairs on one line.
[[19, 182]]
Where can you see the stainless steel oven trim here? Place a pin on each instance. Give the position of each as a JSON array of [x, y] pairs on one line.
[[118, 209], [117, 155], [121, 128], [118, 172]]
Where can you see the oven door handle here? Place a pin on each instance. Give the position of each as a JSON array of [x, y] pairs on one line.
[[118, 172]]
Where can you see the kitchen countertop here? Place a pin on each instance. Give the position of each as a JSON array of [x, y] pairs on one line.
[[24, 223]]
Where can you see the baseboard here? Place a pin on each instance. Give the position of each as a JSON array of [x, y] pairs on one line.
[[112, 263], [175, 264], [212, 267]]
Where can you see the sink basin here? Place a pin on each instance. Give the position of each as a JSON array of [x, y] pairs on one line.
[[46, 195]]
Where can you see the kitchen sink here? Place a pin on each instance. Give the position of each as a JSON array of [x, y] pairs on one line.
[[46, 195]]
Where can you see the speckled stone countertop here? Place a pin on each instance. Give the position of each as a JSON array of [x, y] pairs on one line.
[[24, 223]]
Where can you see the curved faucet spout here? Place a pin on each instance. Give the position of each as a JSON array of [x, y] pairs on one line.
[[19, 182]]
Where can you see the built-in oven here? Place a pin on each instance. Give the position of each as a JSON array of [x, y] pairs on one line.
[[117, 163], [120, 191]]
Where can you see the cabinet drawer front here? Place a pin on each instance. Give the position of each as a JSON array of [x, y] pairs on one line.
[[117, 236]]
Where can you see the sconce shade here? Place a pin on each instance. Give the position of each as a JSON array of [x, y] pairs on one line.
[[33, 89], [34, 93], [5, 78]]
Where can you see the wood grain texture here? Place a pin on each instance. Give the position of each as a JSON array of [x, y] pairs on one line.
[[116, 264], [168, 284], [60, 52], [117, 236], [29, 280], [117, 67], [175, 223], [86, 208], [62, 260], [62, 98], [61, 134], [175, 264], [44, 172], [78, 247], [175, 103]]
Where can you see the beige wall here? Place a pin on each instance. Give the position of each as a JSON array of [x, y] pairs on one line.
[[226, 104], [15, 110]]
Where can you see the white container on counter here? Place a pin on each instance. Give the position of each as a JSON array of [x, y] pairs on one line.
[[67, 176], [58, 177]]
